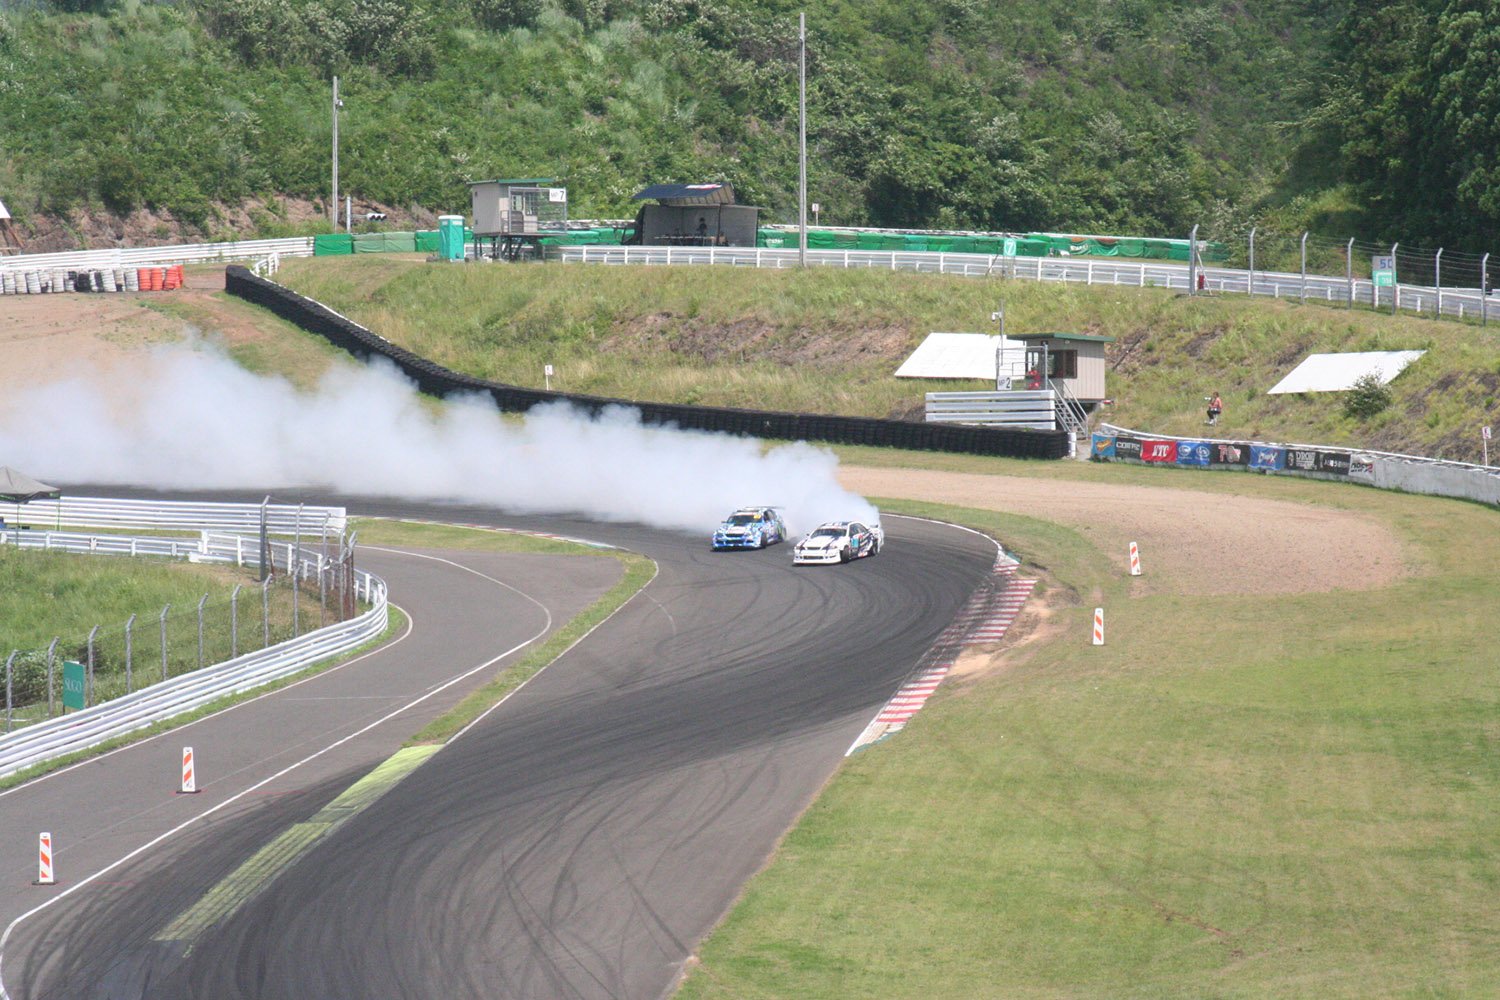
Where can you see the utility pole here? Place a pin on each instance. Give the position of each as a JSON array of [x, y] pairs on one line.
[[333, 205], [802, 139]]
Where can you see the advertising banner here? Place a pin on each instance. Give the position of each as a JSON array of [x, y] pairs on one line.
[[1362, 467], [1300, 459], [1159, 451], [1335, 462], [1229, 453], [1127, 447], [1194, 453], [73, 684], [1103, 446], [1266, 457]]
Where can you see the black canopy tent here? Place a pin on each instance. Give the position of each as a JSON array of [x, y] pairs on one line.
[[694, 215], [18, 488]]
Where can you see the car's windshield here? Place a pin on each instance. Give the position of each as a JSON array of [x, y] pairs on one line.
[[743, 519], [828, 533]]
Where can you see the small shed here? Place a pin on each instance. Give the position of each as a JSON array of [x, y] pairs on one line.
[[518, 207], [1073, 360], [695, 215]]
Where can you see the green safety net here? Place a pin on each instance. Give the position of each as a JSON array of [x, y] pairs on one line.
[[332, 244]]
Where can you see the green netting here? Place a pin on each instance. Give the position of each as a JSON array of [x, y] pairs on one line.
[[332, 244], [426, 240]]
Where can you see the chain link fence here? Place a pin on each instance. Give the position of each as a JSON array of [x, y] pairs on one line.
[[114, 659]]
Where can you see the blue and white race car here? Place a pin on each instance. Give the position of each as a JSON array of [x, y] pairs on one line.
[[751, 528], [839, 542]]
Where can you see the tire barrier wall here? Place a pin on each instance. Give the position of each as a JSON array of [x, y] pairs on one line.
[[1407, 473], [113, 279], [436, 380]]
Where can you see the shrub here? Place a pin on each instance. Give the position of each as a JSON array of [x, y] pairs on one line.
[[1367, 397]]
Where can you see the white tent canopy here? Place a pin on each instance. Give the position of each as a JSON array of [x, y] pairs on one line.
[[1338, 372], [962, 355]]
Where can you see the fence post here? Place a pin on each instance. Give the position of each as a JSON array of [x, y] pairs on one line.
[[201, 601], [88, 690], [322, 592], [1349, 269], [1437, 282], [1193, 261], [1251, 289], [1302, 292], [9, 660], [164, 641], [234, 622], [51, 649], [129, 650], [265, 611], [296, 604], [1484, 290], [1395, 281]]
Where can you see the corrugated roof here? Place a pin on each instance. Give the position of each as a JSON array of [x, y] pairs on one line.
[[520, 181], [1061, 336], [689, 194]]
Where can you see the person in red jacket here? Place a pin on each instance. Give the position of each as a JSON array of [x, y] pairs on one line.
[[1215, 407]]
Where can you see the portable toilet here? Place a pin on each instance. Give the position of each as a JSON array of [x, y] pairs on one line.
[[451, 237]]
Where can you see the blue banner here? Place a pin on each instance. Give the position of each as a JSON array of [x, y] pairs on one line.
[[1103, 446], [1194, 452], [1266, 457]]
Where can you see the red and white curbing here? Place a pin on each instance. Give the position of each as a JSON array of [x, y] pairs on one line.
[[44, 874], [984, 619]]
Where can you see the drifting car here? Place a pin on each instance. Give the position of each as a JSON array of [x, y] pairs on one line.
[[751, 528], [838, 542]]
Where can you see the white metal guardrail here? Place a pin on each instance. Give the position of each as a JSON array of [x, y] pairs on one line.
[[89, 727], [103, 512], [191, 253], [1036, 408], [1457, 302]]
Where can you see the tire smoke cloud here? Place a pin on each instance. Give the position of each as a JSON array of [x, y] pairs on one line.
[[192, 418]]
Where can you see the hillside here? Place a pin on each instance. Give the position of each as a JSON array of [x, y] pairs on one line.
[[829, 341], [131, 120]]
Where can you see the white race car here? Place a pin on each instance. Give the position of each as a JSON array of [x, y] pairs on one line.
[[839, 542]]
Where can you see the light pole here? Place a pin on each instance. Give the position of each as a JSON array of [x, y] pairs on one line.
[[802, 139], [333, 208]]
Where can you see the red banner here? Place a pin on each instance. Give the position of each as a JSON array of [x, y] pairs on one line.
[[1159, 451]]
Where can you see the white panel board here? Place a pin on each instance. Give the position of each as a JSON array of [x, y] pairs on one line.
[[1337, 372], [960, 355]]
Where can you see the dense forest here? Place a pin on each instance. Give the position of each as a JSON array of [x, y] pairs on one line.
[[1111, 116]]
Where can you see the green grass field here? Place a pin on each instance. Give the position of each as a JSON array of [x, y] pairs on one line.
[[1260, 798], [829, 340]]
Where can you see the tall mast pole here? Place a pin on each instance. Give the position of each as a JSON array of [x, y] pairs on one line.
[[802, 139]]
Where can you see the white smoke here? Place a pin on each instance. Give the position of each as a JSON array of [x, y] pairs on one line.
[[192, 418]]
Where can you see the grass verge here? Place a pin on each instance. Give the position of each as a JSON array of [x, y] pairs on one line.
[[1273, 797]]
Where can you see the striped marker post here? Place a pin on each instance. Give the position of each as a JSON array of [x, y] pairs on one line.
[[189, 779], [44, 874], [1135, 560], [1098, 626]]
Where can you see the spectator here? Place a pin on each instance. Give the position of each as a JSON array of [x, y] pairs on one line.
[[1215, 407]]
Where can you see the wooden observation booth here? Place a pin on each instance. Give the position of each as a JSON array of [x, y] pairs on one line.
[[1073, 363], [698, 215], [514, 215]]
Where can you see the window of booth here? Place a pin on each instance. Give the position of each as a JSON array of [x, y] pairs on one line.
[[1063, 364]]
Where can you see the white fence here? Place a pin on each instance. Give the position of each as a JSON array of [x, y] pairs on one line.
[[128, 257], [1461, 303], [1036, 408], [90, 727], [102, 512]]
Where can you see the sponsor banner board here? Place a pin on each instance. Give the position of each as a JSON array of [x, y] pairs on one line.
[[1159, 451], [1229, 453], [1127, 447], [1335, 462], [1316, 460], [1194, 453], [1300, 459], [1103, 446], [1266, 457], [74, 680], [1362, 467]]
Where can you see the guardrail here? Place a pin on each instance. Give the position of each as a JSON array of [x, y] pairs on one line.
[[1036, 408], [1385, 470], [159, 702], [1461, 303], [191, 253], [187, 515]]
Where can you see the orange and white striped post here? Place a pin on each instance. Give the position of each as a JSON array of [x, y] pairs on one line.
[[1135, 560], [44, 874], [189, 779], [1098, 626]]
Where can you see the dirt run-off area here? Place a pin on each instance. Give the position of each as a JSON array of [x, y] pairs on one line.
[[1203, 543]]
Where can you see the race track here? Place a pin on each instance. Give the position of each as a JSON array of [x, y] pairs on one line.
[[575, 844]]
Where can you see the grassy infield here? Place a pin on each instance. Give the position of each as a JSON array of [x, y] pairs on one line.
[[1235, 797]]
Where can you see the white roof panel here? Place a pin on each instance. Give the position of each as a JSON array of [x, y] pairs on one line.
[[1337, 372], [958, 355]]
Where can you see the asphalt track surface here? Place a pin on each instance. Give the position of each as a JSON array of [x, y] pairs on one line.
[[577, 843]]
